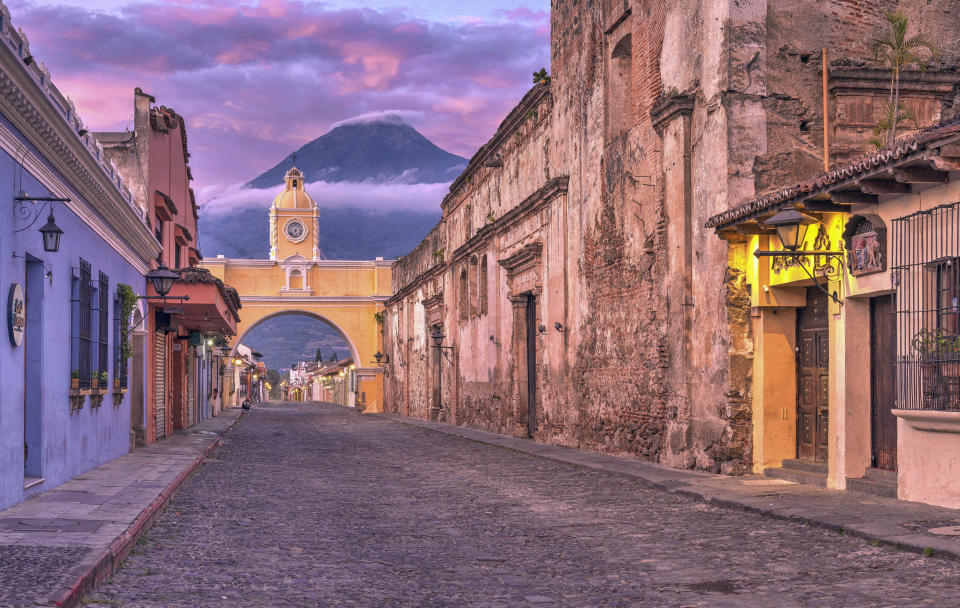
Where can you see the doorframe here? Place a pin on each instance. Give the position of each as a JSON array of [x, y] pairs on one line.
[[33, 369]]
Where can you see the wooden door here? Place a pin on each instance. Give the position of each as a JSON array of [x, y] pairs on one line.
[[531, 318], [813, 346], [883, 383]]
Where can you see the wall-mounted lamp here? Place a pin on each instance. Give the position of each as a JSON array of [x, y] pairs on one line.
[[382, 358], [82, 132], [162, 279], [559, 327], [541, 329], [438, 337], [791, 227], [50, 231]]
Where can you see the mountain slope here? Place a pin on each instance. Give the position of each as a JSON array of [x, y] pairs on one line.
[[380, 151]]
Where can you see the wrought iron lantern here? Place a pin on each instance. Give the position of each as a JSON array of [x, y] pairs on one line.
[[162, 279], [51, 234], [438, 337], [791, 227]]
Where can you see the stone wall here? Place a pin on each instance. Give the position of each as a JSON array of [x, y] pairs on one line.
[[591, 199]]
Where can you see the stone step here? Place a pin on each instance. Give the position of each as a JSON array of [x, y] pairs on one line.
[[876, 483], [810, 466], [797, 476], [882, 475]]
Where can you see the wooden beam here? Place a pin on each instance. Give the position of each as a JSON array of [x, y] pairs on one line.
[[854, 198], [917, 175], [732, 236], [826, 206], [950, 149], [752, 228], [885, 186], [944, 163]]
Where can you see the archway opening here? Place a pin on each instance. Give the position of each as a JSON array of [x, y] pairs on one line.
[[295, 346]]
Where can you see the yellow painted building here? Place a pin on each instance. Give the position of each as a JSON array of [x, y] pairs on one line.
[[856, 374], [296, 279]]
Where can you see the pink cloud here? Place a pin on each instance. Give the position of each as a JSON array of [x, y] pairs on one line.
[[255, 80]]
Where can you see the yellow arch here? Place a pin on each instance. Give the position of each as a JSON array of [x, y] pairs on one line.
[[345, 294]]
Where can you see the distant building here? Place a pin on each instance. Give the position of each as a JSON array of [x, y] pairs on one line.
[[66, 385]]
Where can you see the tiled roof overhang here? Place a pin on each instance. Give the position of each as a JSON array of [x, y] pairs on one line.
[[926, 156]]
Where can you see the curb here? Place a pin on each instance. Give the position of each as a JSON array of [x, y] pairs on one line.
[[93, 572], [901, 539]]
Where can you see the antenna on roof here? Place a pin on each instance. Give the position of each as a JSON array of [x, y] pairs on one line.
[[294, 159]]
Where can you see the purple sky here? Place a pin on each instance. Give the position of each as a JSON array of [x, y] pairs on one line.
[[256, 79]]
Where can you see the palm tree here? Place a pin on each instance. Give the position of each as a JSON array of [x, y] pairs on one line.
[[898, 51]]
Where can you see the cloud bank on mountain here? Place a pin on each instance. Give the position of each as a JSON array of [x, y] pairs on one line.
[[391, 196]]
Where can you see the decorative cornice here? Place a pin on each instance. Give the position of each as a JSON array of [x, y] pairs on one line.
[[36, 108], [514, 119], [528, 256], [530, 205], [667, 108]]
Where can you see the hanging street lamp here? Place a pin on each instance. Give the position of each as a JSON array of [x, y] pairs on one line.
[[51, 234], [791, 226]]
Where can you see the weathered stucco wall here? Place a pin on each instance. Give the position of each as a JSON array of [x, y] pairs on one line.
[[592, 199]]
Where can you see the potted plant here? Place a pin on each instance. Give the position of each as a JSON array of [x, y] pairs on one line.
[[75, 379], [104, 380], [94, 380], [116, 383]]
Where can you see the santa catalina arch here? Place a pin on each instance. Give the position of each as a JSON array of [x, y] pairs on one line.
[[296, 279]]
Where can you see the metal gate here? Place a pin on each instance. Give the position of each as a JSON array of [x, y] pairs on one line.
[[926, 273]]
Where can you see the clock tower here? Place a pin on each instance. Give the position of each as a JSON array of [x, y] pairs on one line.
[[293, 222]]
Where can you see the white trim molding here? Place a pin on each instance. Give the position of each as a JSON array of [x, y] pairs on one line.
[[931, 420]]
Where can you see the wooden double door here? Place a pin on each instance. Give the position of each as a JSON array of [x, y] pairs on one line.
[[813, 381]]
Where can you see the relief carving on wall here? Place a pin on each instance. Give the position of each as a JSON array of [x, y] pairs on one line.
[[866, 240]]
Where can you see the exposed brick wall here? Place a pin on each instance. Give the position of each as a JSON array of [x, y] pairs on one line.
[[643, 343]]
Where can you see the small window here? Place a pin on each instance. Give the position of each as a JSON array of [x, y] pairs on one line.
[[474, 286], [464, 294], [483, 285], [103, 325], [80, 322], [294, 183]]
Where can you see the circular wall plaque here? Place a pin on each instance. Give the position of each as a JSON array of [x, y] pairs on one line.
[[16, 314]]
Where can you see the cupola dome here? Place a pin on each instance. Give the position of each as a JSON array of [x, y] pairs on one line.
[[293, 195]]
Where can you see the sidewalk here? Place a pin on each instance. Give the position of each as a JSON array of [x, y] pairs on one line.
[[57, 546], [908, 525]]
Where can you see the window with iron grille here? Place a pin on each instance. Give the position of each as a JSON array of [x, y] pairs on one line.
[[119, 361], [103, 325], [926, 273], [81, 318]]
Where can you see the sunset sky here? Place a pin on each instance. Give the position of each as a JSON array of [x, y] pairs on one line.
[[256, 79]]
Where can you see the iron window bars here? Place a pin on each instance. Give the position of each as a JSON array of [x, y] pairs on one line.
[[81, 311], [103, 350], [926, 275]]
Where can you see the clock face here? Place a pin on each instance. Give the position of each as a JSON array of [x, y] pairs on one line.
[[295, 230]]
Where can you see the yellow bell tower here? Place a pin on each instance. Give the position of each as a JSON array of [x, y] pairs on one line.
[[293, 222]]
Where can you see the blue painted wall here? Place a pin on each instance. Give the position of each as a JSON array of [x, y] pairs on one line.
[[71, 443]]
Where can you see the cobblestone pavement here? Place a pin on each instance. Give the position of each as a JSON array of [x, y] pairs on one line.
[[314, 505], [30, 574]]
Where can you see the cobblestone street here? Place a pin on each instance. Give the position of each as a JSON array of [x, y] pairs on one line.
[[314, 505]]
